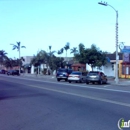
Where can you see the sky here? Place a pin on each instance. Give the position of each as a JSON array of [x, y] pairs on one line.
[[38, 24]]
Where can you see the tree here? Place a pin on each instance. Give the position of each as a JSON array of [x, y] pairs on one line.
[[66, 47], [92, 56], [79, 57], [81, 48], [74, 50], [18, 47], [51, 53], [59, 53], [9, 63], [3, 57]]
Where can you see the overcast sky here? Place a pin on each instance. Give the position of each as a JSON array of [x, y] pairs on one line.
[[40, 23]]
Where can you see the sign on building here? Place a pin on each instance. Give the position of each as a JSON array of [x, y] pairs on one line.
[[126, 49], [126, 57]]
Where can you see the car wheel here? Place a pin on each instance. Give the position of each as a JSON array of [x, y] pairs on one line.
[[81, 80], [100, 82], [58, 80], [106, 81], [69, 81], [87, 82], [65, 79]]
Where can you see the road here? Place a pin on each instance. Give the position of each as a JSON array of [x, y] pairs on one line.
[[31, 104]]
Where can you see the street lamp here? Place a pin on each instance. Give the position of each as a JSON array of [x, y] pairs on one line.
[[105, 4]]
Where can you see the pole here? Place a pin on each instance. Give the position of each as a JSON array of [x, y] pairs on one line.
[[116, 47], [116, 70], [19, 62]]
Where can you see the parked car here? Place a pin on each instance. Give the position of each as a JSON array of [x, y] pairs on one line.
[[3, 71], [62, 74], [13, 72], [96, 76], [77, 76]]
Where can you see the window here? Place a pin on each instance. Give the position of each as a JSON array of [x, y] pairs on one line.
[[125, 70]]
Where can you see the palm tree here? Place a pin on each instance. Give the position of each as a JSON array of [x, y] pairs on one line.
[[74, 50], [51, 53], [2, 56], [59, 53], [67, 46], [18, 47], [81, 48], [50, 48]]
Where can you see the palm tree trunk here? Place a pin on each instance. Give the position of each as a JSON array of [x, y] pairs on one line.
[[19, 61]]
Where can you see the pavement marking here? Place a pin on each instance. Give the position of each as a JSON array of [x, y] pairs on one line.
[[107, 85], [81, 85], [83, 96]]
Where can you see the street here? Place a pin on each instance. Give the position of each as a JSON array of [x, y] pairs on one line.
[[42, 104]]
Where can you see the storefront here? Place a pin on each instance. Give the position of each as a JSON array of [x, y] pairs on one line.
[[79, 67]]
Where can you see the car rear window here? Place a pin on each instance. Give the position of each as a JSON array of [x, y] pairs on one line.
[[77, 73], [93, 73], [62, 70]]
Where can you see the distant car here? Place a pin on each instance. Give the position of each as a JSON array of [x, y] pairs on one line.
[[77, 76], [3, 71], [62, 74], [96, 76], [13, 72]]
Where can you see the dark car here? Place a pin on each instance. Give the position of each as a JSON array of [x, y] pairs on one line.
[[62, 74], [96, 76], [13, 72], [2, 71]]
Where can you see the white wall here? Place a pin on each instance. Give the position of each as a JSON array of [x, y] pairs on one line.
[[108, 70], [32, 69]]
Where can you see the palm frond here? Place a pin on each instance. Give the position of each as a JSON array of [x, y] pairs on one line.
[[12, 44], [14, 47], [23, 47]]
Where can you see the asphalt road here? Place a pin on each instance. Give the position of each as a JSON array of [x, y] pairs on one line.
[[31, 104]]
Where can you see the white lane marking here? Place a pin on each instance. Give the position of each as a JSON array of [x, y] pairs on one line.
[[83, 96], [83, 86], [106, 85]]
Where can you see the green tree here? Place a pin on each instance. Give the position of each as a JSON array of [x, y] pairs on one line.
[[67, 47], [79, 57], [51, 53], [18, 47], [81, 48], [59, 53], [92, 56], [74, 50], [3, 57]]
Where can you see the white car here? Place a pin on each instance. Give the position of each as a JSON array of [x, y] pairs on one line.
[[77, 76]]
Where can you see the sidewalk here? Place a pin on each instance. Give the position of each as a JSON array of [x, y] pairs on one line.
[[120, 82], [37, 76]]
